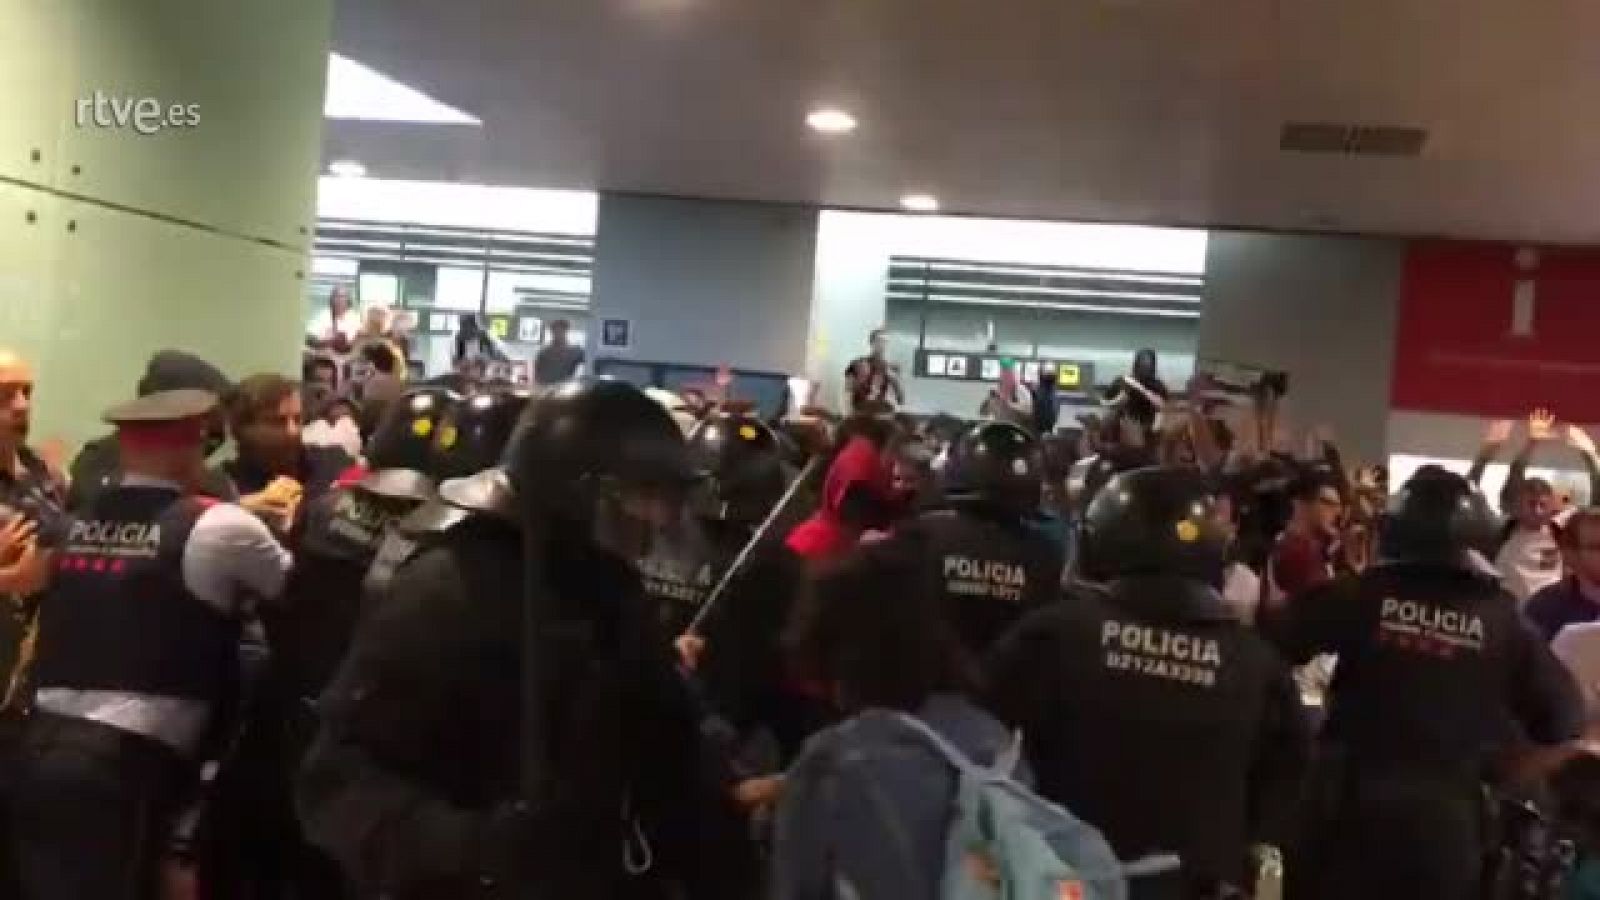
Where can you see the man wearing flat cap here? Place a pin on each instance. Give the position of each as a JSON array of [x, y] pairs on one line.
[[137, 651]]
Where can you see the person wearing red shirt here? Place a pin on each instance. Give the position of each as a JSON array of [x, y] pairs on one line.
[[1302, 558]]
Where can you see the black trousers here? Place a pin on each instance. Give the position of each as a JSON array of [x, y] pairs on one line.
[[93, 808], [1395, 833]]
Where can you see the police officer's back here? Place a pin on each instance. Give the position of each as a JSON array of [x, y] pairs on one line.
[[415, 781], [137, 653], [1434, 660], [991, 562], [1145, 708]]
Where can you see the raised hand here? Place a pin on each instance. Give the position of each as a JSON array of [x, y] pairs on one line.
[[1498, 432], [1541, 425], [1579, 440]]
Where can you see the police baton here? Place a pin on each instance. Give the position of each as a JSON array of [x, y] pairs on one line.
[[804, 475]]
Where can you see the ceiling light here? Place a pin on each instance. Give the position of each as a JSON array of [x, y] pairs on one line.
[[831, 121], [347, 168], [922, 203], [357, 91]]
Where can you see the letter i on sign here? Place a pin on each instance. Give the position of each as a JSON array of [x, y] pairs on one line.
[[1524, 294]]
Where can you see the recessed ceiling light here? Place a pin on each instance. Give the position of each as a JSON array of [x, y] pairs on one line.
[[347, 168], [831, 121], [924, 203]]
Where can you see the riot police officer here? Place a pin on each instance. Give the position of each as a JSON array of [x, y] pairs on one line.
[[992, 564], [1145, 708], [1434, 661], [340, 532], [741, 459], [422, 784], [465, 458]]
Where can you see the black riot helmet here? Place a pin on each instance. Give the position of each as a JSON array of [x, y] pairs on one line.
[[404, 437], [1435, 519], [475, 434], [1088, 476], [743, 462], [600, 459], [1001, 464], [1159, 522]]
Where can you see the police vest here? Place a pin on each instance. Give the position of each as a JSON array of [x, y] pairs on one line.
[[1426, 673], [679, 573], [989, 573], [118, 616], [340, 534]]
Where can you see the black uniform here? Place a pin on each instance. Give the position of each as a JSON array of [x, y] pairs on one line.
[[414, 781], [339, 533], [991, 564], [992, 568], [1434, 660], [1146, 708]]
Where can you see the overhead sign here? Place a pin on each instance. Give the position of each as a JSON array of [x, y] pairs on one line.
[[616, 334], [1071, 376]]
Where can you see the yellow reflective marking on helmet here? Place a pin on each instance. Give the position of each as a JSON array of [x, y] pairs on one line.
[[422, 427], [748, 432], [448, 436], [1188, 531]]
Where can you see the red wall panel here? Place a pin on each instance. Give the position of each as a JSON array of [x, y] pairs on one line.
[[1455, 347]]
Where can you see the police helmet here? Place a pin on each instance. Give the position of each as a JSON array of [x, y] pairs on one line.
[[743, 462], [404, 437], [1155, 522], [1001, 464], [474, 435], [1436, 518], [1089, 475], [602, 458]]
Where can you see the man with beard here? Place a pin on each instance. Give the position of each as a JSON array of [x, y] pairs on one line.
[[421, 783], [273, 468]]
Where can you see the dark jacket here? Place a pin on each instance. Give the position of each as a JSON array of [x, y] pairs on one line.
[[1561, 604], [1148, 711], [412, 778]]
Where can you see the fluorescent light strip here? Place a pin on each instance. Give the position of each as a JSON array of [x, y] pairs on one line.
[[1047, 271], [332, 227], [1070, 307], [448, 263], [1048, 291]]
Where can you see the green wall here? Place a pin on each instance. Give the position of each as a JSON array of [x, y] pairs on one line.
[[115, 244]]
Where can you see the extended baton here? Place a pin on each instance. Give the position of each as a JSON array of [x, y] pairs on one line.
[[760, 534]]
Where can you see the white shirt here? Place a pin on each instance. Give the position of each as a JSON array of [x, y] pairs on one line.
[[322, 327], [231, 562], [1578, 647], [1241, 592], [344, 434], [1529, 561]]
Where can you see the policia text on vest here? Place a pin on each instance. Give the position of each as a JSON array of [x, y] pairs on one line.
[[1158, 652]]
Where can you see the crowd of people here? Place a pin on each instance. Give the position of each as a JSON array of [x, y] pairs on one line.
[[470, 640]]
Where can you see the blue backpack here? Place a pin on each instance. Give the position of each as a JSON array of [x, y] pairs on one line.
[[1007, 843]]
